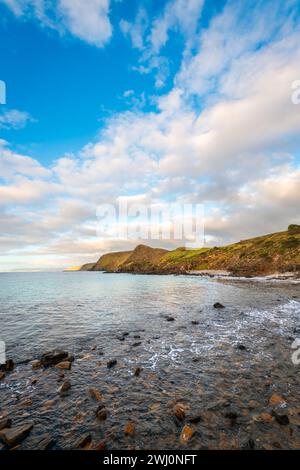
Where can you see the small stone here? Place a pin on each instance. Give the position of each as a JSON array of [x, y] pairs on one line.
[[276, 400], [170, 318], [2, 375], [83, 441], [281, 419], [137, 371], [5, 423], [186, 434], [13, 436], [64, 365], [111, 363], [195, 322], [134, 345], [179, 411], [95, 394], [65, 386], [25, 403], [218, 305], [33, 381], [129, 429], [241, 347], [36, 364], [266, 417], [136, 336], [101, 413]]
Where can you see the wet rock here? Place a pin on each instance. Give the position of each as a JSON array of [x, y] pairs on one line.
[[64, 365], [25, 403], [134, 345], [51, 358], [44, 442], [83, 441], [281, 418], [8, 366], [266, 417], [2, 375], [186, 434], [129, 429], [71, 358], [241, 347], [218, 305], [136, 336], [100, 446], [195, 418], [179, 411], [64, 386], [36, 364], [276, 400], [95, 394], [194, 322], [137, 371], [111, 363], [15, 435], [33, 381], [232, 416], [101, 413], [170, 318], [125, 334], [5, 423]]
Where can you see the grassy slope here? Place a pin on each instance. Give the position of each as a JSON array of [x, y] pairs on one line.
[[278, 252]]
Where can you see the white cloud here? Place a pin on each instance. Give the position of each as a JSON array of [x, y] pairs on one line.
[[86, 19], [14, 119]]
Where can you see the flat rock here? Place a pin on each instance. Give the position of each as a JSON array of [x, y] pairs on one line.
[[15, 435]]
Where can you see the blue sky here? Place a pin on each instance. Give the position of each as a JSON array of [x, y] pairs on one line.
[[174, 100]]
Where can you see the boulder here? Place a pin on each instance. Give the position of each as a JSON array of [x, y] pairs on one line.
[[51, 358], [15, 435]]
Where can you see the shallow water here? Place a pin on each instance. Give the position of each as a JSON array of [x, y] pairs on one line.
[[197, 364]]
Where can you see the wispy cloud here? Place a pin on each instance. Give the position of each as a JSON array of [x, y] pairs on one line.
[[15, 119]]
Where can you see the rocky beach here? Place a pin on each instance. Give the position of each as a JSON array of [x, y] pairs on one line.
[[186, 363]]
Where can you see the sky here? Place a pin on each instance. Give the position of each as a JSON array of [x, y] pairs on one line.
[[155, 101]]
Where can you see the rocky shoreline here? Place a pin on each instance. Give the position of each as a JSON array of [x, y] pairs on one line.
[[239, 400]]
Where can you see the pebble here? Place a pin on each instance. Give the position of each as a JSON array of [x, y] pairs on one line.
[[179, 411], [129, 429], [186, 434], [95, 394]]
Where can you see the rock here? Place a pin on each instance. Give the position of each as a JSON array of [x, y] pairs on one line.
[[281, 418], [36, 364], [170, 318], [218, 305], [195, 322], [13, 436], [8, 366], [241, 347], [186, 434], [71, 358], [101, 413], [179, 411], [195, 419], [33, 381], [51, 358], [232, 416], [137, 371], [64, 365], [129, 429], [5, 423], [83, 441], [266, 417], [276, 400], [111, 363], [45, 443], [134, 345], [136, 336], [2, 375], [95, 394], [25, 403], [64, 386]]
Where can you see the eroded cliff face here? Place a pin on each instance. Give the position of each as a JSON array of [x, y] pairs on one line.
[[268, 254]]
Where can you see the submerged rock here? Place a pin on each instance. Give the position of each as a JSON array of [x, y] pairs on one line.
[[36, 364], [8, 366], [111, 363], [83, 441], [95, 394], [129, 429], [13, 436], [2, 375], [64, 386]]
